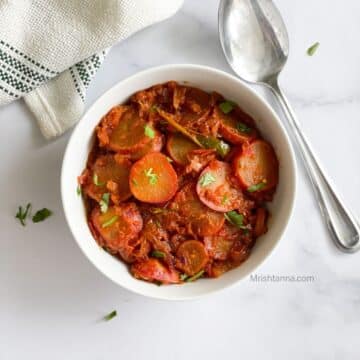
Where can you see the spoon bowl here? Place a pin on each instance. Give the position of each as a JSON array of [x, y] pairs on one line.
[[254, 39]]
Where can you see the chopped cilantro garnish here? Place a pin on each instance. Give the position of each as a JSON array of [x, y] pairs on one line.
[[78, 190], [110, 222], [23, 213], [104, 202], [149, 131], [158, 254], [196, 276], [235, 218], [243, 128], [256, 187], [96, 180], [312, 49], [41, 215], [153, 178], [224, 199], [207, 179], [110, 315], [227, 106]]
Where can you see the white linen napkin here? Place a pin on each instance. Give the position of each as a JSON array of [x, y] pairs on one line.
[[51, 49]]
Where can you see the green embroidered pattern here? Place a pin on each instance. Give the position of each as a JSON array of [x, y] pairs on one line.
[[14, 82], [19, 74], [8, 92], [22, 68], [84, 71], [26, 57]]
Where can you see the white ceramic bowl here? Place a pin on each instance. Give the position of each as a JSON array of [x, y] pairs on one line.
[[207, 79]]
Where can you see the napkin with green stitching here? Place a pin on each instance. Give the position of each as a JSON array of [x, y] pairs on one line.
[[51, 49]]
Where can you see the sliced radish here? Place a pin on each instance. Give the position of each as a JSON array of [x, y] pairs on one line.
[[196, 217], [109, 174], [257, 167], [153, 270], [191, 257], [178, 147], [217, 189], [153, 179], [119, 225], [123, 130], [260, 222], [219, 245], [235, 128], [155, 145], [197, 100]]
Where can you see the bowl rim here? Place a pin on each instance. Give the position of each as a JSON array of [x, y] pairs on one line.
[[149, 71]]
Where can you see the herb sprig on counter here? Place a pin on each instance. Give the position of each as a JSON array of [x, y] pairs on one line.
[[110, 316], [312, 49], [22, 214], [41, 215]]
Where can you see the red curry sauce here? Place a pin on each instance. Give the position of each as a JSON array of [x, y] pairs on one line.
[[177, 182]]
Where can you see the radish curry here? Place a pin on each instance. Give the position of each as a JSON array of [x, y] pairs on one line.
[[177, 182]]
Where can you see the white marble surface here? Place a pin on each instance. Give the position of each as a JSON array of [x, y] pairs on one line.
[[51, 297]]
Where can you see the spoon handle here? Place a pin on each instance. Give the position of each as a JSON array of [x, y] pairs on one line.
[[341, 223]]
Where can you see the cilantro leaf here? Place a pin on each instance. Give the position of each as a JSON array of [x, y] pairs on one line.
[[243, 128], [104, 202], [227, 106], [207, 179], [41, 215], [236, 219], [153, 178], [110, 315], [196, 276], [23, 213], [110, 221], [256, 187], [312, 49], [96, 180], [158, 254], [149, 131]]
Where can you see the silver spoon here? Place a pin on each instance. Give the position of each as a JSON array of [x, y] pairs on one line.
[[256, 45]]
